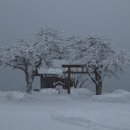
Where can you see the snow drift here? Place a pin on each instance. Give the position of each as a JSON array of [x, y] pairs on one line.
[[82, 94], [117, 96]]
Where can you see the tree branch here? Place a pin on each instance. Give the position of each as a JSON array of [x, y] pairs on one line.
[[17, 67]]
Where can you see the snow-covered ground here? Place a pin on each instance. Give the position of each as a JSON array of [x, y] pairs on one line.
[[82, 110]]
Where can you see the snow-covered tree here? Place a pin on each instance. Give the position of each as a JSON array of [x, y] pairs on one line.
[[53, 42], [26, 56], [100, 58], [29, 54]]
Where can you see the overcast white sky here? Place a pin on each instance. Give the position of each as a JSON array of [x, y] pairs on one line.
[[23, 18]]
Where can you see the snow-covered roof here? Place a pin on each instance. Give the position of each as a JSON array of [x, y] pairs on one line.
[[59, 63], [55, 69], [50, 71]]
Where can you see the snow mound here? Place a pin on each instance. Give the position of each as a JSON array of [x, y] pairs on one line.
[[78, 94], [117, 96], [11, 96], [120, 91], [81, 93], [48, 91]]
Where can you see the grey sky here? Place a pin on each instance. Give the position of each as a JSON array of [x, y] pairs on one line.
[[23, 18]]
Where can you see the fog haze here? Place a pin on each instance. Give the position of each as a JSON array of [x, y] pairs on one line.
[[23, 18]]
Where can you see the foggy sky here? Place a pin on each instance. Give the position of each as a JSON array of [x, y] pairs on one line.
[[23, 18]]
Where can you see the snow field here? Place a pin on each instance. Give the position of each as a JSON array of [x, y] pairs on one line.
[[81, 110]]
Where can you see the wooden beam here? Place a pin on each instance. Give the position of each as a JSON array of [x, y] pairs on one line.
[[38, 74], [72, 72], [74, 65]]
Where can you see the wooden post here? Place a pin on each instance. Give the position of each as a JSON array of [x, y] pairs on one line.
[[41, 78], [45, 82], [69, 79]]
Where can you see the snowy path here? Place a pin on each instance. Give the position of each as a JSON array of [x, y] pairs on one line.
[[62, 112]]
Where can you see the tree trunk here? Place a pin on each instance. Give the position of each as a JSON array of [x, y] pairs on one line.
[[29, 80], [29, 88], [99, 88], [68, 91]]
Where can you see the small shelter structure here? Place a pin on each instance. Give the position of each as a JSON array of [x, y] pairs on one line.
[[50, 76], [60, 74]]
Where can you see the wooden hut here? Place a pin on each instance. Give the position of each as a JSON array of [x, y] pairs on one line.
[[50, 76]]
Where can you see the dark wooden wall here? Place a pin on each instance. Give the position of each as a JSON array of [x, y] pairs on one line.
[[47, 81]]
